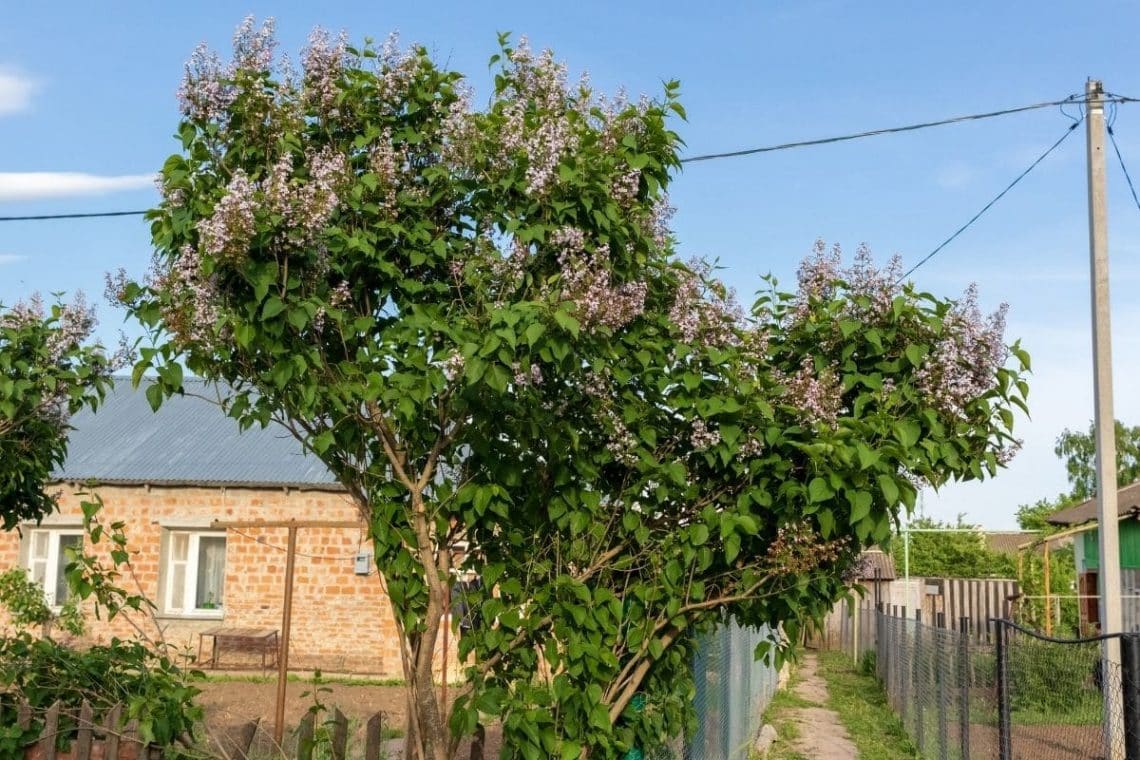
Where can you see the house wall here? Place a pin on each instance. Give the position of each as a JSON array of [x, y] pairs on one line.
[[1129, 547], [341, 621]]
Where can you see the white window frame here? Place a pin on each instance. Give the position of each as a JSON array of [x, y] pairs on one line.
[[51, 560], [190, 573]]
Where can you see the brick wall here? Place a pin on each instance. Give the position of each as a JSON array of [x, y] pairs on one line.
[[341, 621]]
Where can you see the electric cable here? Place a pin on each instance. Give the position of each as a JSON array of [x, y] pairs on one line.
[[1068, 131], [1123, 168], [1072, 99]]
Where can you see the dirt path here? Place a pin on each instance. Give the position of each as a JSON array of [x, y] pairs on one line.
[[820, 736]]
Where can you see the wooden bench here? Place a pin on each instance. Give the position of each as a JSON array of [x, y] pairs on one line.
[[261, 641]]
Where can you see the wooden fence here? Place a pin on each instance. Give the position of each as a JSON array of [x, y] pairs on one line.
[[105, 740], [108, 739], [951, 598], [333, 731]]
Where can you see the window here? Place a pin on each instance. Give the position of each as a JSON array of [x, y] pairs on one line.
[[48, 560], [195, 573]]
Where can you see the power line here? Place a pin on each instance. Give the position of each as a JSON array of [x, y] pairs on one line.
[[1072, 99], [1120, 158], [1072, 128], [92, 215]]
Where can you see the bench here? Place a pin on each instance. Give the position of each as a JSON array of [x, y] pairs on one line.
[[261, 641]]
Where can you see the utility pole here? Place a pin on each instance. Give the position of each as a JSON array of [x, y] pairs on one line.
[[1112, 619]]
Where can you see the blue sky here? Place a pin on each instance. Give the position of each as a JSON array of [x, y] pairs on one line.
[[87, 89]]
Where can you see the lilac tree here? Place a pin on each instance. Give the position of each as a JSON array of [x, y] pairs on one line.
[[48, 370], [474, 317]]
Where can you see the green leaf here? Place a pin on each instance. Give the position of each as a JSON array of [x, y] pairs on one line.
[[273, 307], [860, 505], [826, 523], [699, 535], [819, 490], [889, 488], [915, 354], [567, 322]]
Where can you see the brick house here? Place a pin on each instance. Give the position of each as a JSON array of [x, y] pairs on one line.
[[168, 476]]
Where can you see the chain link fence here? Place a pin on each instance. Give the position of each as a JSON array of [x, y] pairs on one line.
[[733, 689], [1000, 690]]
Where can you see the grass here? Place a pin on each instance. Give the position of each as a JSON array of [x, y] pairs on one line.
[[301, 678]]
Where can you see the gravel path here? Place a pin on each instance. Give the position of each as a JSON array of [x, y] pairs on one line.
[[821, 735]]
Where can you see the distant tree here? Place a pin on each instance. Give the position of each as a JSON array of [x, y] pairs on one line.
[[1034, 516], [959, 552], [48, 370], [1078, 449]]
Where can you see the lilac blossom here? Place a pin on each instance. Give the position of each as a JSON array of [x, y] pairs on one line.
[[625, 187], [453, 367], [587, 283], [524, 378], [817, 396], [702, 437], [704, 309], [962, 363], [227, 232], [323, 63], [206, 92]]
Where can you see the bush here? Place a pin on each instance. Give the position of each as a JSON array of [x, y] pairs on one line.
[[150, 686], [868, 663], [1049, 677]]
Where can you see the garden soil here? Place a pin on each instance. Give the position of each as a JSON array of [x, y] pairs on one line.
[[231, 705]]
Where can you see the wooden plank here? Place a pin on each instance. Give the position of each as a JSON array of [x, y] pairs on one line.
[[305, 738], [84, 737], [245, 739], [340, 734], [111, 725], [373, 735], [131, 736], [219, 524], [51, 728]]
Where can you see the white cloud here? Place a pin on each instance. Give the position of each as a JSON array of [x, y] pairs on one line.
[[15, 91], [954, 175], [24, 186], [10, 258]]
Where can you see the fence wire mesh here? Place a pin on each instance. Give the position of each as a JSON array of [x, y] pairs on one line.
[[732, 690], [1001, 691]]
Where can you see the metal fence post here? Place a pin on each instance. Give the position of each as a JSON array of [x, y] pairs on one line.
[[907, 663], [943, 698], [893, 656], [1130, 682], [964, 687], [1005, 740], [918, 674]]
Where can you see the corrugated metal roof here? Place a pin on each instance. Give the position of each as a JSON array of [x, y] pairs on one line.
[[875, 559], [1007, 541], [1127, 502], [188, 441]]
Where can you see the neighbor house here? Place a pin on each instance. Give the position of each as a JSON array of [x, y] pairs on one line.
[[1081, 522], [169, 476]]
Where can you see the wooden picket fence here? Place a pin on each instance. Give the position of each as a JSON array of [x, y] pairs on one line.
[[337, 727], [104, 740], [108, 740]]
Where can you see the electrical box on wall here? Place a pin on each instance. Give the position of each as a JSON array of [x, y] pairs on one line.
[[364, 563]]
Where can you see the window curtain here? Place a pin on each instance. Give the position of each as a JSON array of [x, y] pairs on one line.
[[211, 572]]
